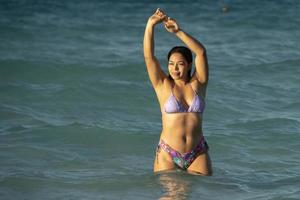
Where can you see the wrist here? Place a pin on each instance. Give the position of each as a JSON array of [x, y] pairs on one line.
[[150, 23], [178, 32]]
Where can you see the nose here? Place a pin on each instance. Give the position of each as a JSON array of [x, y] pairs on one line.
[[176, 67]]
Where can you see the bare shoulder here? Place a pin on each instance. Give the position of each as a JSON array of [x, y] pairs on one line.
[[198, 86], [163, 90]]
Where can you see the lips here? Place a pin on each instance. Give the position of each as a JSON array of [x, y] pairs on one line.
[[176, 73]]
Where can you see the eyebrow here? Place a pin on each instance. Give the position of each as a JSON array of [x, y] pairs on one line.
[[170, 61]]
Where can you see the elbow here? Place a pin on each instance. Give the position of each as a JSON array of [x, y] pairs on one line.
[[201, 51]]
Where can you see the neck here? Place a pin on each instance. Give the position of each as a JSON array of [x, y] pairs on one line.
[[180, 82]]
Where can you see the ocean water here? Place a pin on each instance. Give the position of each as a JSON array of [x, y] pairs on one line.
[[79, 119]]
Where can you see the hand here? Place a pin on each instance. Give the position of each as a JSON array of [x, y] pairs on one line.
[[158, 17], [171, 25]]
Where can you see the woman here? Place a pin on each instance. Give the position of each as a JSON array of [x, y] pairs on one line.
[[181, 99]]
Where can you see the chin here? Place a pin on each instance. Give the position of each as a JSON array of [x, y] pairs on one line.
[[175, 77]]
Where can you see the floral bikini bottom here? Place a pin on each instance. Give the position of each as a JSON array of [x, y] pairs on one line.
[[184, 160]]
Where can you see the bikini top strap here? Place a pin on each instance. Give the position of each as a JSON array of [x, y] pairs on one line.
[[194, 90], [172, 88]]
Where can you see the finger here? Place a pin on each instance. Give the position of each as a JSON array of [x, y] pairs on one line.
[[157, 11], [166, 26], [160, 10], [172, 20], [165, 18]]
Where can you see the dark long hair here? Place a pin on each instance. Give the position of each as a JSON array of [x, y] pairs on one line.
[[186, 53]]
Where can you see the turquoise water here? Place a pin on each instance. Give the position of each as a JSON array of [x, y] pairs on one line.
[[79, 119]]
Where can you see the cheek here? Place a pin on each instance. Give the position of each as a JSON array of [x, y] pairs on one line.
[[183, 68]]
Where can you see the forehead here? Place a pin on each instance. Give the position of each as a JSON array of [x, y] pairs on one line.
[[177, 57]]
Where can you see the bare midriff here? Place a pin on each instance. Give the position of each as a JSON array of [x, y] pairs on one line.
[[182, 131]]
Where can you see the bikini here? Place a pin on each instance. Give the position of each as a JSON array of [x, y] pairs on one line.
[[172, 105]]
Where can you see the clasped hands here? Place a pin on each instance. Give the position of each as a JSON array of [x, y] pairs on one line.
[[170, 24]]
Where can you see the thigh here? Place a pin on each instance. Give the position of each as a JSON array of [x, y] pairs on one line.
[[201, 165], [163, 161]]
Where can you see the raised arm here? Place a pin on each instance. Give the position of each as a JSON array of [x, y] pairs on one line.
[[155, 72], [201, 63]]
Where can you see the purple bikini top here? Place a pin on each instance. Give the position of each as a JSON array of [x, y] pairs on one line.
[[172, 105]]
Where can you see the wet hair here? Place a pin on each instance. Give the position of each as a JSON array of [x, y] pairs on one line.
[[186, 53]]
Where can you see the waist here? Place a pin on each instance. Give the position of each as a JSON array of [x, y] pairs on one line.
[[182, 141]]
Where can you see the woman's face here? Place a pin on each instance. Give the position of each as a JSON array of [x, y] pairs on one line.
[[178, 66]]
